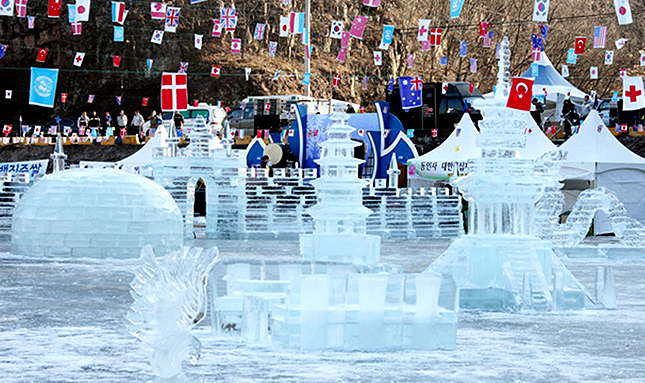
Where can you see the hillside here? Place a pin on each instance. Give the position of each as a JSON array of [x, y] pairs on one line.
[[132, 81]]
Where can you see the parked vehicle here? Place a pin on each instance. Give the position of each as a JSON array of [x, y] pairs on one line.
[[612, 113], [212, 114]]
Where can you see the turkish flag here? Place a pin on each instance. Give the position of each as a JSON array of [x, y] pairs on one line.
[[116, 60], [42, 55], [174, 92], [521, 93], [144, 102], [580, 45], [63, 97], [195, 103], [7, 130], [54, 8]]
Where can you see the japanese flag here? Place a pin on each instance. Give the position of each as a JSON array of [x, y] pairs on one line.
[[520, 97], [82, 10], [198, 41], [284, 26], [633, 98], [623, 11], [593, 73], [642, 59], [174, 91]]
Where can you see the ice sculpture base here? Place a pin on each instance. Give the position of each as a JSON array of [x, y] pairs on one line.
[[511, 273], [358, 249]]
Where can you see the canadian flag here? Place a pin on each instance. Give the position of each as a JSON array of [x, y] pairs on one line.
[[42, 55], [78, 60], [580, 45], [521, 93], [633, 98], [215, 70], [54, 8], [174, 92], [7, 130]]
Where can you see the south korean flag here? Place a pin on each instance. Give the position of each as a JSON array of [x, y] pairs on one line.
[[336, 31]]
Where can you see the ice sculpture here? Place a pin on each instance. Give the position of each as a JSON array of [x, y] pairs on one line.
[[169, 301], [95, 213], [339, 215], [58, 157], [501, 264]]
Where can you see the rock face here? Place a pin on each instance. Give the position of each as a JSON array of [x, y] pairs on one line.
[[133, 81]]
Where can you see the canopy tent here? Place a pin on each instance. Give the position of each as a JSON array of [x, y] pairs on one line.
[[460, 146], [549, 80], [594, 155]]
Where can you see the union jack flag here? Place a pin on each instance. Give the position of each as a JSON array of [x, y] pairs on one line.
[[228, 17], [172, 17], [259, 31], [273, 46], [183, 67], [416, 82]]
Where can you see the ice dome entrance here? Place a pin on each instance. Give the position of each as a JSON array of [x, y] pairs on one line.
[[95, 213]]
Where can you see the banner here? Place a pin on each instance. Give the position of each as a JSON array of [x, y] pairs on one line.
[[42, 89], [31, 167]]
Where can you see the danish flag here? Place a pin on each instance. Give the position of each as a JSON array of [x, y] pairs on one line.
[[174, 92], [336, 81], [435, 36]]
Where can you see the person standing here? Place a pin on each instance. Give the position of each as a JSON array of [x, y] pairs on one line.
[[154, 122], [94, 125], [587, 105], [83, 121], [121, 122], [179, 121], [107, 122], [536, 111], [137, 124]]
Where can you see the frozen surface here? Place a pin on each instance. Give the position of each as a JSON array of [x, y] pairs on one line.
[[64, 321]]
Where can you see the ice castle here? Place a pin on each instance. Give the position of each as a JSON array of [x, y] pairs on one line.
[[501, 264]]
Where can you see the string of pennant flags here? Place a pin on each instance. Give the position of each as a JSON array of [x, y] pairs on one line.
[[428, 35]]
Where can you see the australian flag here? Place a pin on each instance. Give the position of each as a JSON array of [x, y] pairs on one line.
[[537, 42], [3, 50], [544, 29], [411, 89]]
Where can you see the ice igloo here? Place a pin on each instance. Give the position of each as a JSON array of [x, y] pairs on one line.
[[95, 213]]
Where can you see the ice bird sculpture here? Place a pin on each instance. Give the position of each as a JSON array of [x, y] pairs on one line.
[[169, 301]]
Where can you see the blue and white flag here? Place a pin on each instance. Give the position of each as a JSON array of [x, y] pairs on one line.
[[463, 48], [455, 8], [149, 62], [390, 85], [388, 32], [71, 12], [571, 56], [443, 60], [118, 34], [535, 69], [411, 89], [306, 79], [42, 88]]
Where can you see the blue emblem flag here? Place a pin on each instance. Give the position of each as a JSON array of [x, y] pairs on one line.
[[306, 79], [455, 8], [42, 88], [463, 48], [388, 32], [535, 70], [571, 56], [411, 89], [118, 34]]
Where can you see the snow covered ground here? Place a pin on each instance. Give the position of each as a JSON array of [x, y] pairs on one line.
[[64, 321]]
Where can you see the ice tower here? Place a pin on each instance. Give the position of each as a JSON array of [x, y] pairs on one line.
[[339, 216], [501, 264]]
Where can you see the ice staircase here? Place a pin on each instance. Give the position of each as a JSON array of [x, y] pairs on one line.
[[12, 187], [528, 282]]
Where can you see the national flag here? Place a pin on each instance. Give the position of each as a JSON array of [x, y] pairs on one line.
[[424, 29], [30, 22], [455, 8], [580, 45], [620, 43], [284, 26], [410, 60], [623, 73], [411, 89], [642, 59], [42, 89], [71, 13], [228, 17], [118, 100], [217, 28], [116, 61], [365, 81], [498, 48], [174, 92], [273, 47], [536, 54], [77, 28], [63, 97], [463, 48], [483, 28], [593, 73], [6, 7], [388, 33], [215, 71], [118, 34], [247, 73], [296, 22], [488, 39], [372, 3], [25, 129], [633, 98], [149, 63], [599, 37], [8, 93], [544, 30], [144, 101], [259, 31], [336, 30], [378, 58], [304, 38], [435, 36], [571, 56], [78, 59], [90, 98], [183, 67], [158, 11], [565, 71], [342, 54], [3, 50], [537, 42], [473, 65], [276, 75], [172, 19], [390, 85], [425, 45], [306, 79], [82, 11], [7, 130], [42, 55], [236, 45], [358, 27], [336, 80], [118, 12], [344, 41], [157, 37], [36, 130], [21, 8], [198, 41], [609, 57], [443, 60], [54, 8], [471, 89], [434, 132], [520, 97], [623, 11], [540, 10]]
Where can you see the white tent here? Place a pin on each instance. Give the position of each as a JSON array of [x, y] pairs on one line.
[[451, 157], [549, 79], [143, 157], [594, 155]]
